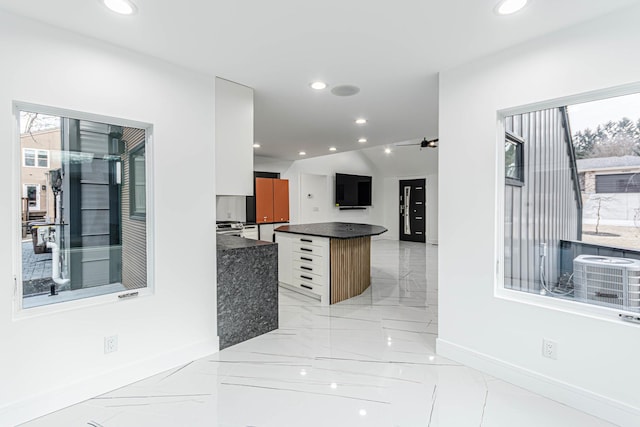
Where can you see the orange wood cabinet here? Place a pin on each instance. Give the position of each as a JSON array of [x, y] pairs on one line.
[[272, 200], [264, 200], [280, 200]]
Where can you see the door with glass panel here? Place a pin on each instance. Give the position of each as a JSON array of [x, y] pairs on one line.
[[412, 210]]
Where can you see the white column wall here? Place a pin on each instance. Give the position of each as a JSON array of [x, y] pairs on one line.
[[597, 366], [57, 359]]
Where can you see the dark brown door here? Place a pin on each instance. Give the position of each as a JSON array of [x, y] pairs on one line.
[[264, 200], [280, 200], [412, 210]]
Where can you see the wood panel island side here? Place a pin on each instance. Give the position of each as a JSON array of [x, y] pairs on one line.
[[330, 260]]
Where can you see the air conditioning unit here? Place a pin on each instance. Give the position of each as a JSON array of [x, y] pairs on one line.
[[609, 281]]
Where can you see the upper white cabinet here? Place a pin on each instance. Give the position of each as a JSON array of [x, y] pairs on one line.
[[234, 139]]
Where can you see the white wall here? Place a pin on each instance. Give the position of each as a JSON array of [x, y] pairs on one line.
[[315, 203], [57, 359], [407, 162], [351, 162], [597, 366], [269, 164]]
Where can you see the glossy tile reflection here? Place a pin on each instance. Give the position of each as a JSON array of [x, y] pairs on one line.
[[368, 361]]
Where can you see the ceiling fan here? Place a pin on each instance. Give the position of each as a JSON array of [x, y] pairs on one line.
[[431, 143]]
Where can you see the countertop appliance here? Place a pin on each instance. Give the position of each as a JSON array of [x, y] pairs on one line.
[[229, 228], [250, 231]]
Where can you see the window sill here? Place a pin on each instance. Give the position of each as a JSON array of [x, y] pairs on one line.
[[553, 303], [51, 309], [514, 182]]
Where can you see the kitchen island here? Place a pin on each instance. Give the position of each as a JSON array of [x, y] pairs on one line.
[[330, 261], [247, 288]]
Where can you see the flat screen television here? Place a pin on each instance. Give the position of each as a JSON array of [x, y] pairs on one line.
[[353, 190]]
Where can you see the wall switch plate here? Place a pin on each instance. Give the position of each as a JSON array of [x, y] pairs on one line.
[[550, 349], [110, 344]]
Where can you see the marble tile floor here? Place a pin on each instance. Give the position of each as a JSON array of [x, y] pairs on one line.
[[368, 361]]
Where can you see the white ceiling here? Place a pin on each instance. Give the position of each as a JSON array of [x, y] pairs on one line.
[[391, 50]]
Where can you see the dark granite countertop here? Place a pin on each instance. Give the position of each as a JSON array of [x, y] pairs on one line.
[[334, 230], [225, 243], [247, 284]]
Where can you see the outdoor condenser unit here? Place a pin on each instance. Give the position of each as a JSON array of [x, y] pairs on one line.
[[609, 281]]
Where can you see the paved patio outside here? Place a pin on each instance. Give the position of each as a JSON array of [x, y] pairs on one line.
[[36, 270]]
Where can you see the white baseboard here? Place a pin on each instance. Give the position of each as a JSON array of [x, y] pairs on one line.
[[592, 403], [54, 400]]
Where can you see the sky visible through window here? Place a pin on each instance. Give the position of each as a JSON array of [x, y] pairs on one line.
[[35, 122], [589, 115]]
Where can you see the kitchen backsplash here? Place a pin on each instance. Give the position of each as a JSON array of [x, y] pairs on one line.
[[231, 208]]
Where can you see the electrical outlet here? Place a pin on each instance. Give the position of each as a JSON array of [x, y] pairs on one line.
[[550, 349], [110, 344]]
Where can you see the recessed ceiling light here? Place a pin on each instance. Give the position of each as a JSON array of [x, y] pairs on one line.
[[387, 150], [123, 7], [334, 385], [256, 145], [507, 7], [302, 153], [362, 412], [318, 85], [362, 140], [332, 148], [361, 121]]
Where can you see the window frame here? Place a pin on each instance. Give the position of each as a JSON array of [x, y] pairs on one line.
[[518, 142], [134, 213], [19, 312], [635, 190], [36, 152], [500, 291]]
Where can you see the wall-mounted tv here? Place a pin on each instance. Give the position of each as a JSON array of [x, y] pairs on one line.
[[353, 190]]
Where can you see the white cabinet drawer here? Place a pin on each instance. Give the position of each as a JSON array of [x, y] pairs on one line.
[[321, 242], [309, 259], [311, 287], [308, 267], [303, 264], [309, 276], [304, 248]]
